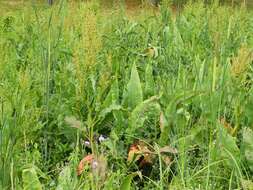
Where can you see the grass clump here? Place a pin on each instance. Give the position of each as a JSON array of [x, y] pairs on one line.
[[98, 100]]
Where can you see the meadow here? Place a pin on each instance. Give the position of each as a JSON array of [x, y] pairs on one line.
[[96, 96]]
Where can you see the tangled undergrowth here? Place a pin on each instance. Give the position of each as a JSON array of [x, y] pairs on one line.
[[92, 100]]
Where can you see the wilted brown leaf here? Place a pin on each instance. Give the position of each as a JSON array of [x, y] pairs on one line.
[[138, 150], [167, 160], [133, 153], [86, 160], [168, 149], [227, 126]]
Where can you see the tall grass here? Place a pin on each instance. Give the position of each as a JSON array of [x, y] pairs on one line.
[[72, 72]]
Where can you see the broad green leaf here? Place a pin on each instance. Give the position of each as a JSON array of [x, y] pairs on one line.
[[65, 179], [133, 93], [126, 184], [248, 146], [139, 114], [30, 179], [226, 149]]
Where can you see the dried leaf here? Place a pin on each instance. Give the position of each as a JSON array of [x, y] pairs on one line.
[[168, 149], [227, 126], [138, 150], [86, 160], [167, 160], [133, 153]]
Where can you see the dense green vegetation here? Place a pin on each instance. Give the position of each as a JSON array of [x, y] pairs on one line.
[[163, 100]]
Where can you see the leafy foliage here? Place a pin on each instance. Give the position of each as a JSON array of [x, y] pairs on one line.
[[98, 99]]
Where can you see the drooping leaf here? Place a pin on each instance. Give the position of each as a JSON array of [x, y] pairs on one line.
[[30, 179], [139, 114], [248, 146], [133, 93], [226, 148]]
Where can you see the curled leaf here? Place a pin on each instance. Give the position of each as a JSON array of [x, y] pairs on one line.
[[151, 52], [138, 150], [86, 160], [133, 153]]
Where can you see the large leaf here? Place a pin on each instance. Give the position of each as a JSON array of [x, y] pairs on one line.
[[30, 179], [141, 112], [65, 180], [248, 146], [226, 149], [133, 93]]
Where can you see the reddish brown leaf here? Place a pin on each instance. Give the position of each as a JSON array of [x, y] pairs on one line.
[[227, 126], [86, 160], [138, 150]]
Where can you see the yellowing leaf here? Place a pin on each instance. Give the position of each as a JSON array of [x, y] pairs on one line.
[[138, 150], [227, 126]]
